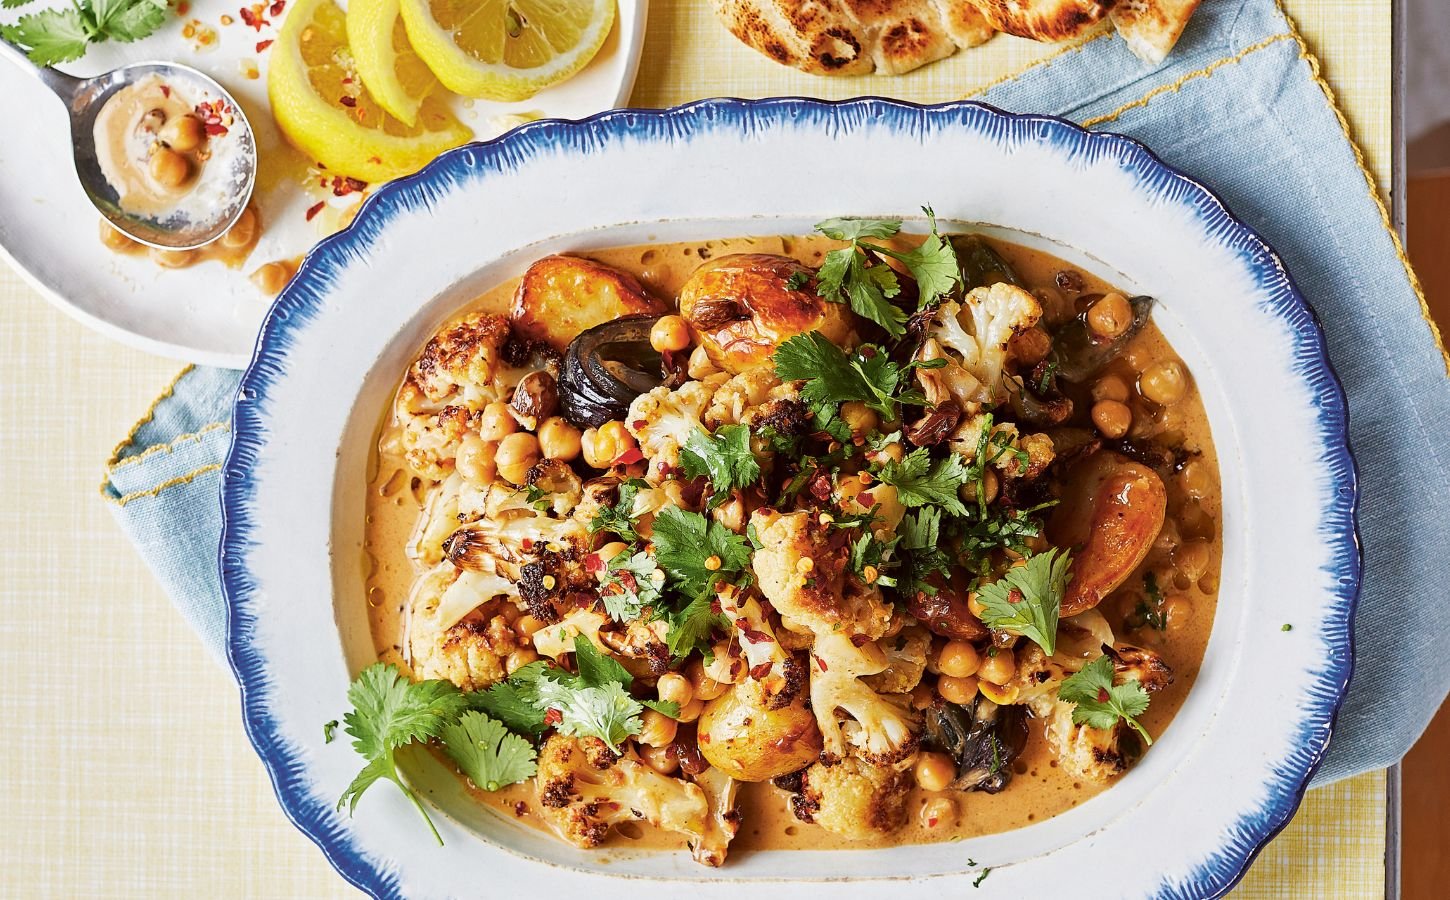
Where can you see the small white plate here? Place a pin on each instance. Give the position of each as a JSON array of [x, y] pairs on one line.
[[1185, 822], [209, 313]]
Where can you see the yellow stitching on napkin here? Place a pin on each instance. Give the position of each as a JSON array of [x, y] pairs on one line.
[[169, 483], [171, 445], [144, 420], [1177, 85], [1042, 63]]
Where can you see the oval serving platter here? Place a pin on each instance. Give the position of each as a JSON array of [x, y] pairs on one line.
[[1186, 822]]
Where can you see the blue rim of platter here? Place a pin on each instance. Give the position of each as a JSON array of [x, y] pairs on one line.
[[1212, 877]]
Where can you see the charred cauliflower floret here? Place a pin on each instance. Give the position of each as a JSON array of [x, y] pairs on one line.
[[853, 799], [585, 789], [456, 628], [743, 306], [453, 379], [743, 397], [438, 520], [905, 661], [972, 336], [1084, 753], [663, 420], [877, 727], [767, 665], [1009, 451], [802, 567], [724, 820]]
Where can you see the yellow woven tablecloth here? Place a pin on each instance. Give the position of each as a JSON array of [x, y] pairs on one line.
[[127, 772]]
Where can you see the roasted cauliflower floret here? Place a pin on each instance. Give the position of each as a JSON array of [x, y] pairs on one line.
[[767, 664], [557, 639], [663, 420], [802, 567], [905, 661], [451, 381], [585, 789], [438, 520], [743, 306], [878, 728], [456, 628], [724, 820], [740, 399], [1009, 451], [1084, 753], [972, 336], [852, 798]]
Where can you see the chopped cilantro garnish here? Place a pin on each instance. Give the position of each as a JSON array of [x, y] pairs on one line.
[[724, 457], [1099, 703], [619, 518], [921, 482], [630, 583], [1027, 599]]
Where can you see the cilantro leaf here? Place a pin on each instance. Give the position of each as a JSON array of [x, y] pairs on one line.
[[919, 540], [390, 712], [595, 668], [607, 712], [329, 731], [1028, 598], [619, 518], [685, 542], [133, 21], [921, 482], [691, 627], [487, 752], [630, 585], [50, 36], [797, 280], [515, 702], [850, 229], [844, 277], [724, 457], [932, 264], [831, 376], [1098, 703], [664, 707]]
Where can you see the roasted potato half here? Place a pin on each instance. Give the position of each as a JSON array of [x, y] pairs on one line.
[[748, 742], [561, 296], [742, 307]]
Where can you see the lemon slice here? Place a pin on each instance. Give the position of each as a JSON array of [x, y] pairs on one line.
[[506, 49], [320, 104], [393, 73]]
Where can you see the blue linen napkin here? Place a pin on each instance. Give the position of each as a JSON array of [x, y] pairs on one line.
[[1240, 105]]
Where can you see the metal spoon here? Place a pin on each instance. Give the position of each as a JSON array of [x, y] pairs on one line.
[[84, 97]]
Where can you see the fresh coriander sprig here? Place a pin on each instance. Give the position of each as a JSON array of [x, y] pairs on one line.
[[844, 276], [920, 481], [631, 583], [619, 518], [54, 36], [1098, 703], [1028, 598], [724, 457], [833, 376]]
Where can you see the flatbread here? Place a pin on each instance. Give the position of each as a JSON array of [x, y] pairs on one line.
[[1044, 20], [1151, 27], [855, 37]]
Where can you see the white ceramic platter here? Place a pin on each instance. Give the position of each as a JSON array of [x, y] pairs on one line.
[[1225, 777], [209, 313]]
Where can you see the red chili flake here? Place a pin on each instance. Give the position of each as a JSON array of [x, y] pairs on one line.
[[593, 563], [630, 583], [183, 8], [343, 185], [347, 101], [1103, 695], [868, 351], [664, 468], [632, 455], [215, 129], [762, 670], [931, 823], [252, 15], [275, 9], [166, 91], [263, 45], [314, 209], [865, 499], [860, 640], [702, 739], [821, 662], [375, 159], [1014, 596], [553, 717], [753, 636], [639, 424], [347, 79], [526, 544]]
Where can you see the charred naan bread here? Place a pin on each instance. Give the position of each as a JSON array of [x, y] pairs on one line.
[[857, 37]]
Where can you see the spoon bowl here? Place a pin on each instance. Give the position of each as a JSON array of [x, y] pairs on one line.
[[176, 229]]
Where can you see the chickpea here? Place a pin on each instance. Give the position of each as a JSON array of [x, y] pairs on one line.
[[861, 420], [974, 605], [958, 659], [608, 443], [957, 690], [889, 452], [676, 688], [115, 239], [516, 455], [526, 625], [243, 230], [559, 440], [705, 687], [660, 759], [691, 711], [1196, 479], [1002, 695], [1177, 612], [496, 422], [670, 334], [1112, 418], [934, 771], [519, 658], [658, 729], [1031, 346], [172, 259], [939, 812], [475, 460], [731, 514], [183, 133], [700, 365], [1192, 559], [1110, 387], [1110, 316], [1137, 355], [990, 485], [998, 669], [169, 168], [1164, 382], [272, 277]]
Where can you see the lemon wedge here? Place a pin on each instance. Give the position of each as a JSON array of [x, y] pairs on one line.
[[506, 49], [392, 71], [321, 105]]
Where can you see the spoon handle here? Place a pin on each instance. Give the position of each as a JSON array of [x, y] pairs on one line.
[[62, 85]]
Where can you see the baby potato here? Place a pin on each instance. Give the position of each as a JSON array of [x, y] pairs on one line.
[[748, 742], [561, 296], [742, 307]]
